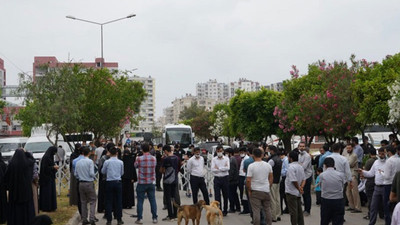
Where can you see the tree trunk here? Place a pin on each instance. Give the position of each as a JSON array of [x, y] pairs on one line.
[[287, 143], [308, 142]]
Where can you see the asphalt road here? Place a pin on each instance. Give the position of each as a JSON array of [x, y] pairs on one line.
[[231, 219]]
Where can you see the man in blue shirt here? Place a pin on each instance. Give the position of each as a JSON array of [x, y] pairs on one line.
[[113, 169], [84, 172]]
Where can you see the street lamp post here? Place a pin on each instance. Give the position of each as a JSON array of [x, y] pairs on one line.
[[101, 27]]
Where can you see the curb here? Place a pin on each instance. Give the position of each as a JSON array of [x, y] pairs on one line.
[[74, 220]]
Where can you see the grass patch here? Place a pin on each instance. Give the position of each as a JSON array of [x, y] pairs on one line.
[[64, 211]]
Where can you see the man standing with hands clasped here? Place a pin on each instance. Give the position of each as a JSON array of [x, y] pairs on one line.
[[294, 184], [220, 168], [195, 167]]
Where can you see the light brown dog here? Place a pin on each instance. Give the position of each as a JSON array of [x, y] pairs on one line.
[[188, 212], [214, 214]]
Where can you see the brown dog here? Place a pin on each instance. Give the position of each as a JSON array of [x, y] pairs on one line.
[[188, 212], [214, 214]]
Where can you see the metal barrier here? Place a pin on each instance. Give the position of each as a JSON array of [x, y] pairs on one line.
[[208, 177], [63, 176]]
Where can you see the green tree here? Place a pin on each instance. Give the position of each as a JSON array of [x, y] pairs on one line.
[[76, 99], [54, 98], [191, 112], [371, 92], [252, 113]]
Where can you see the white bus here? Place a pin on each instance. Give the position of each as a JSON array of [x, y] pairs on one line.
[[174, 134]]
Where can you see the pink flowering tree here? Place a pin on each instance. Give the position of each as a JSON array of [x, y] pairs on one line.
[[319, 103]]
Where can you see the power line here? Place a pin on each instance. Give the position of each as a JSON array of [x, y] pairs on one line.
[[12, 63]]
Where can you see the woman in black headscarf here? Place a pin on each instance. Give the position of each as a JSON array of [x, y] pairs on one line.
[[47, 181], [129, 177], [3, 193], [73, 186], [18, 179]]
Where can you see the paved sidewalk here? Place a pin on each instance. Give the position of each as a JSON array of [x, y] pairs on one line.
[[231, 219]]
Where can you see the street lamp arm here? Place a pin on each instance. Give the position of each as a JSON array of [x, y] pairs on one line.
[[87, 21], [112, 21]]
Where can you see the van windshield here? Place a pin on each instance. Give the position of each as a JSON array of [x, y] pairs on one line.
[[6, 147], [36, 147]]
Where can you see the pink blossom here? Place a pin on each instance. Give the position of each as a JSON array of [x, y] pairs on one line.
[[275, 111], [315, 97], [328, 94], [348, 127], [111, 81], [281, 126], [335, 105]]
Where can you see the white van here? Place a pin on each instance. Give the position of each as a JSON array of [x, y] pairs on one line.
[[38, 145], [9, 145]]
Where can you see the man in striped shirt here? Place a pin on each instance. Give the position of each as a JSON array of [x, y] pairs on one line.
[[146, 165]]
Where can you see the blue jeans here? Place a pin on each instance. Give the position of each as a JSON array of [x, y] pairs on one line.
[[150, 190], [113, 197]]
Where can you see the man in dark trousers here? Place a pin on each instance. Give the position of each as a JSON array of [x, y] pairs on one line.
[[234, 204], [195, 167], [113, 169], [220, 168], [276, 164], [332, 202]]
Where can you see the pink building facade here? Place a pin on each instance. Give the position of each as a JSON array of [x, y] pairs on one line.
[[52, 62]]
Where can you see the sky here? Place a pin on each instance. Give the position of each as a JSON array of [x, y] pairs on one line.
[[184, 42]]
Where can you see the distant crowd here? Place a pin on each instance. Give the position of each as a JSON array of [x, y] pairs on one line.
[[261, 181]]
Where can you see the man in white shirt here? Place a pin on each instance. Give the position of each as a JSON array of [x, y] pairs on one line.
[[220, 166], [305, 162], [195, 167], [242, 180], [259, 180], [392, 166], [294, 184], [377, 171]]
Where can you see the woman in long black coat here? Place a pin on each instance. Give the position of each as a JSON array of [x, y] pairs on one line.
[[129, 177], [47, 181], [18, 179], [102, 184], [3, 193]]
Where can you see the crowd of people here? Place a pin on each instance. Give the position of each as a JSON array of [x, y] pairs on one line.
[[21, 179], [262, 181]]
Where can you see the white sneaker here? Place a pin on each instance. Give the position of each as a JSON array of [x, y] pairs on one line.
[[155, 221], [139, 221]]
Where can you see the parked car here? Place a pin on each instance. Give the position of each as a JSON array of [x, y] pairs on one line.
[[207, 146], [9, 145]]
